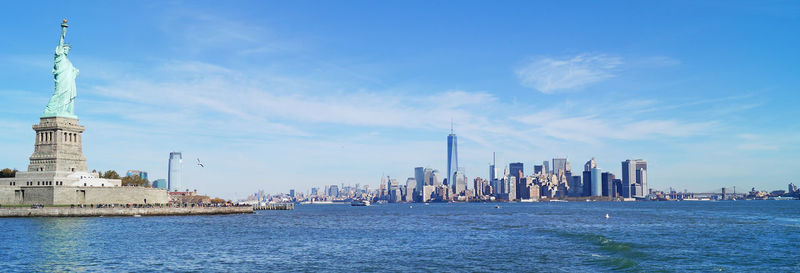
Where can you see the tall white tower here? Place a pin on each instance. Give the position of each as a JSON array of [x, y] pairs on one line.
[[452, 158], [175, 164]]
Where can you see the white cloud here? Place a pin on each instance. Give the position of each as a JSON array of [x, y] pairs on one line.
[[756, 142], [550, 75], [595, 128]]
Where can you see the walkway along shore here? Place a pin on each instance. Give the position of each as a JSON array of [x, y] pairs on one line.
[[94, 212], [275, 206]]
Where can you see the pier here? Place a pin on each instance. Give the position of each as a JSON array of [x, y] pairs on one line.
[[274, 206]]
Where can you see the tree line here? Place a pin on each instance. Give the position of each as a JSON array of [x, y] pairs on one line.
[[8, 173], [133, 180]]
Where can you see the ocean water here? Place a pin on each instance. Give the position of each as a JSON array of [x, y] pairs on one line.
[[729, 236]]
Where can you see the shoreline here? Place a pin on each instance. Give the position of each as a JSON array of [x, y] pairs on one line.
[[95, 212]]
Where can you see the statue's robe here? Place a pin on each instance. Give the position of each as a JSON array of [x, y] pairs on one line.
[[64, 74]]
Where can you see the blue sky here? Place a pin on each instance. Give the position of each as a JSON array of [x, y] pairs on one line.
[[294, 94]]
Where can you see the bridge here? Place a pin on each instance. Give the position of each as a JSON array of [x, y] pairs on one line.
[[719, 194]]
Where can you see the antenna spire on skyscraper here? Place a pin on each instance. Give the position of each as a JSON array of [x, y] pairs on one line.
[[451, 125]]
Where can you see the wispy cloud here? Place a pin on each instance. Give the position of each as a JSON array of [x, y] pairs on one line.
[[200, 31], [594, 128], [550, 75], [758, 142], [184, 91]]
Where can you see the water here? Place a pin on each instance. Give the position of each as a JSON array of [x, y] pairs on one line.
[[550, 237]]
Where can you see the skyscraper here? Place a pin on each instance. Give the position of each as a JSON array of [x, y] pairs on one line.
[[537, 169], [617, 187], [596, 182], [460, 182], [516, 170], [641, 178], [628, 177], [174, 171], [575, 186], [512, 188], [587, 176], [333, 191], [546, 165], [633, 186], [140, 174], [436, 180], [395, 195], [589, 165], [452, 157], [587, 183], [641, 182], [608, 184], [160, 183], [408, 193], [559, 164], [428, 175], [493, 169], [419, 176]]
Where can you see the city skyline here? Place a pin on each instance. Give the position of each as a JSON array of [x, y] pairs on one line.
[[263, 97]]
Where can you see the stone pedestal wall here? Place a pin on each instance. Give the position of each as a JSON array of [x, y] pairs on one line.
[[58, 146], [66, 195]]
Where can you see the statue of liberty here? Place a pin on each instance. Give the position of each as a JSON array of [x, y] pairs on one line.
[[62, 102]]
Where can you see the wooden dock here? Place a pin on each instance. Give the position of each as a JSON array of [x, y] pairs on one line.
[[275, 206]]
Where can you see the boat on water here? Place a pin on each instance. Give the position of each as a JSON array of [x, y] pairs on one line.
[[359, 203]]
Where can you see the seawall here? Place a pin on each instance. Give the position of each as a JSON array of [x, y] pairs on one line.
[[94, 212]]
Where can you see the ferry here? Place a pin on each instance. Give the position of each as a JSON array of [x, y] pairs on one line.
[[359, 203]]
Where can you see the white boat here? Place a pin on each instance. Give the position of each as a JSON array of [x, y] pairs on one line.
[[359, 203]]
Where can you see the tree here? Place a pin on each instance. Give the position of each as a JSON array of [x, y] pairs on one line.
[[110, 175], [8, 172], [134, 180], [217, 200]]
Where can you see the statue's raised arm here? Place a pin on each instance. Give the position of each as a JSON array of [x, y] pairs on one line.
[[64, 27]]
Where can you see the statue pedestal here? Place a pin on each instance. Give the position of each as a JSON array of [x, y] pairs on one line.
[[58, 146]]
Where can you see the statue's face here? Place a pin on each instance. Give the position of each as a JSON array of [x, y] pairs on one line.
[[66, 49]]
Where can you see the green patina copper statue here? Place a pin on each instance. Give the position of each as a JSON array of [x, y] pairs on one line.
[[62, 102]]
